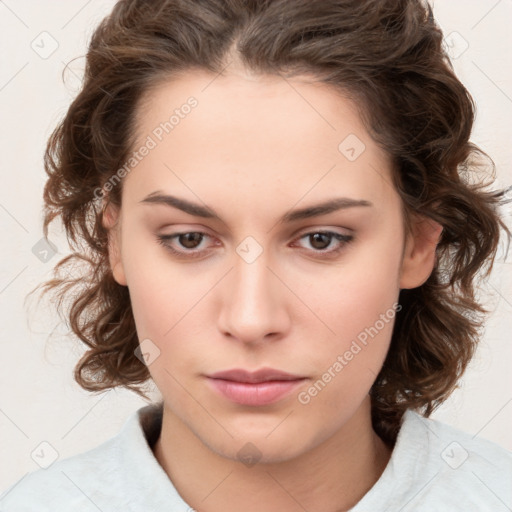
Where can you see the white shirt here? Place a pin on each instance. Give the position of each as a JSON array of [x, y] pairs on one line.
[[433, 468]]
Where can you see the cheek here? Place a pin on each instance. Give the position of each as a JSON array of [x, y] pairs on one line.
[[168, 303], [165, 303], [162, 291], [362, 288], [359, 308]]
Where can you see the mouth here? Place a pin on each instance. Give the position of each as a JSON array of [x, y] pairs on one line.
[[262, 387]]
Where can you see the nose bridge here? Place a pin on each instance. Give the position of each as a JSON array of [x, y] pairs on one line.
[[253, 300], [252, 280]]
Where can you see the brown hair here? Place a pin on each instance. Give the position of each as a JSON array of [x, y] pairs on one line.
[[389, 56]]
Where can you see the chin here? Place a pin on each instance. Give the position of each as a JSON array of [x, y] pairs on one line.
[[256, 446], [256, 452]]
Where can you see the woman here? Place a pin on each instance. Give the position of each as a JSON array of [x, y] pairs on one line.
[[274, 204]]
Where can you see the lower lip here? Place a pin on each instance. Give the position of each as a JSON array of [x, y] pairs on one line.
[[262, 393]]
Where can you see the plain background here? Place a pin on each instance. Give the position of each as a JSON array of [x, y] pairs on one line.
[[39, 400]]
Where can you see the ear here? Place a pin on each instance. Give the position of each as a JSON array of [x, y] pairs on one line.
[[419, 255], [110, 221]]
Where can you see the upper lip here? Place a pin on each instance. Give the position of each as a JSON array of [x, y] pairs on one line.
[[262, 375]]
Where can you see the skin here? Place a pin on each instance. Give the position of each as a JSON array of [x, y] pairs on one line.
[[253, 149]]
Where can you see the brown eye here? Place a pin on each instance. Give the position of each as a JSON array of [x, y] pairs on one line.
[[326, 243], [320, 240], [186, 245], [190, 240]]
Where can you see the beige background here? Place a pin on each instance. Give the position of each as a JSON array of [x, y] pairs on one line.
[[39, 400]]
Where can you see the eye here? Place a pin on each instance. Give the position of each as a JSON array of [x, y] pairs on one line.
[[320, 241], [188, 243]]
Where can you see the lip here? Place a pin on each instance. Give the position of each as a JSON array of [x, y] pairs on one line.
[[262, 387]]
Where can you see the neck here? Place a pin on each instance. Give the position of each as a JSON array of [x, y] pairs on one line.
[[331, 477]]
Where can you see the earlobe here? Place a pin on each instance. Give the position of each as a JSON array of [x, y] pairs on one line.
[[118, 271], [420, 252], [110, 221]]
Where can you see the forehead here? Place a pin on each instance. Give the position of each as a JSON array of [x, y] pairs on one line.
[[254, 134]]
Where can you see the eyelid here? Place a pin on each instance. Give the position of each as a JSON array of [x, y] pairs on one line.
[[323, 229]]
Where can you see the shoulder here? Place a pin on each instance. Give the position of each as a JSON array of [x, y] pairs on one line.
[[434, 466], [89, 480], [456, 469], [66, 481], [459, 449]]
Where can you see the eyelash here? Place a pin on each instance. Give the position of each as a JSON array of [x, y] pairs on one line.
[[191, 254]]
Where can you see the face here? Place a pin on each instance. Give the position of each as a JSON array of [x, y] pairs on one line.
[[262, 232]]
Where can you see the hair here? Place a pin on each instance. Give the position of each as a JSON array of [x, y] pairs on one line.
[[389, 57]]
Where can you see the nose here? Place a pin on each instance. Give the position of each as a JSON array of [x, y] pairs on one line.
[[254, 303]]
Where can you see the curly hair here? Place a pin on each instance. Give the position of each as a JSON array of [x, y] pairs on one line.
[[389, 56]]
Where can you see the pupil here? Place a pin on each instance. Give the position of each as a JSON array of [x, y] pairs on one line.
[[317, 237]]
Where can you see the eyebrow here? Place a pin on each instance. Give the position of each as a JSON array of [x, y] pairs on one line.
[[198, 210]]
